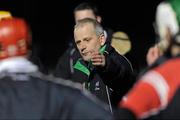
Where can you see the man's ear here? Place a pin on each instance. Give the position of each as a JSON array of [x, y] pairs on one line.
[[99, 19], [102, 39]]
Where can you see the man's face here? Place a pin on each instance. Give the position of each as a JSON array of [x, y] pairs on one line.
[[87, 41], [81, 14]]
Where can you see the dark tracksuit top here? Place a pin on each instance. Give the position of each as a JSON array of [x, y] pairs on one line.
[[27, 94], [108, 83]]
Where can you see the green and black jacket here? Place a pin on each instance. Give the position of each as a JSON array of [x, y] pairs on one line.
[[116, 75]]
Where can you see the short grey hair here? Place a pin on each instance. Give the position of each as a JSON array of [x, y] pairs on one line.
[[98, 27]]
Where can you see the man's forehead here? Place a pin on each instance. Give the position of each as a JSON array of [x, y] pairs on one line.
[[85, 26], [84, 30]]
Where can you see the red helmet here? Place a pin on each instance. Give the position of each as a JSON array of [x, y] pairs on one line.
[[14, 37]]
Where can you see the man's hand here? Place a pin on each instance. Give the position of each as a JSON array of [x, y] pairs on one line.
[[152, 55], [98, 59]]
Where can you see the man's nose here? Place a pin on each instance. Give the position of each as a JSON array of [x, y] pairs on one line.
[[83, 47]]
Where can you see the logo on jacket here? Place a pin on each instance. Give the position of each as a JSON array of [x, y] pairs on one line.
[[97, 86]]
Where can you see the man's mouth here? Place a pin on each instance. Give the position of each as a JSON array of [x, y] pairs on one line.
[[85, 53]]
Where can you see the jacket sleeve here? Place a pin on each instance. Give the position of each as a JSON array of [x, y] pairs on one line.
[[154, 90], [117, 73]]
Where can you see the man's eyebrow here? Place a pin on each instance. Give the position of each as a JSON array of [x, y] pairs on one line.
[[76, 41]]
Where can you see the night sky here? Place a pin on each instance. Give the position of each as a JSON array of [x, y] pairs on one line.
[[52, 23]]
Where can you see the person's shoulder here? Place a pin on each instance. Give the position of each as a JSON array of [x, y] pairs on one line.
[[56, 81], [72, 87], [60, 84], [109, 30], [110, 49], [169, 64]]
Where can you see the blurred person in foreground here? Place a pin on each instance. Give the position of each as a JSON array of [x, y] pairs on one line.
[[33, 57], [157, 93], [25, 93]]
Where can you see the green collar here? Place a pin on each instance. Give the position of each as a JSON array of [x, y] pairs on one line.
[[82, 68], [102, 49], [79, 66]]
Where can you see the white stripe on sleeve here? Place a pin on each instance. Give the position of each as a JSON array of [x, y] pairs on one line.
[[158, 82]]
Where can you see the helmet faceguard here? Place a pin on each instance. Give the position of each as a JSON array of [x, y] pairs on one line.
[[167, 15], [14, 38]]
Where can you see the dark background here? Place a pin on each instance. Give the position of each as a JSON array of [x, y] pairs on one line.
[[52, 22]]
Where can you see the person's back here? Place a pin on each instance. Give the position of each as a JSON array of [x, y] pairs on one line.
[[171, 110], [29, 96], [156, 95], [25, 93]]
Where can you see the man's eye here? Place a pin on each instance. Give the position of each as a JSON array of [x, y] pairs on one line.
[[78, 42], [87, 39]]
